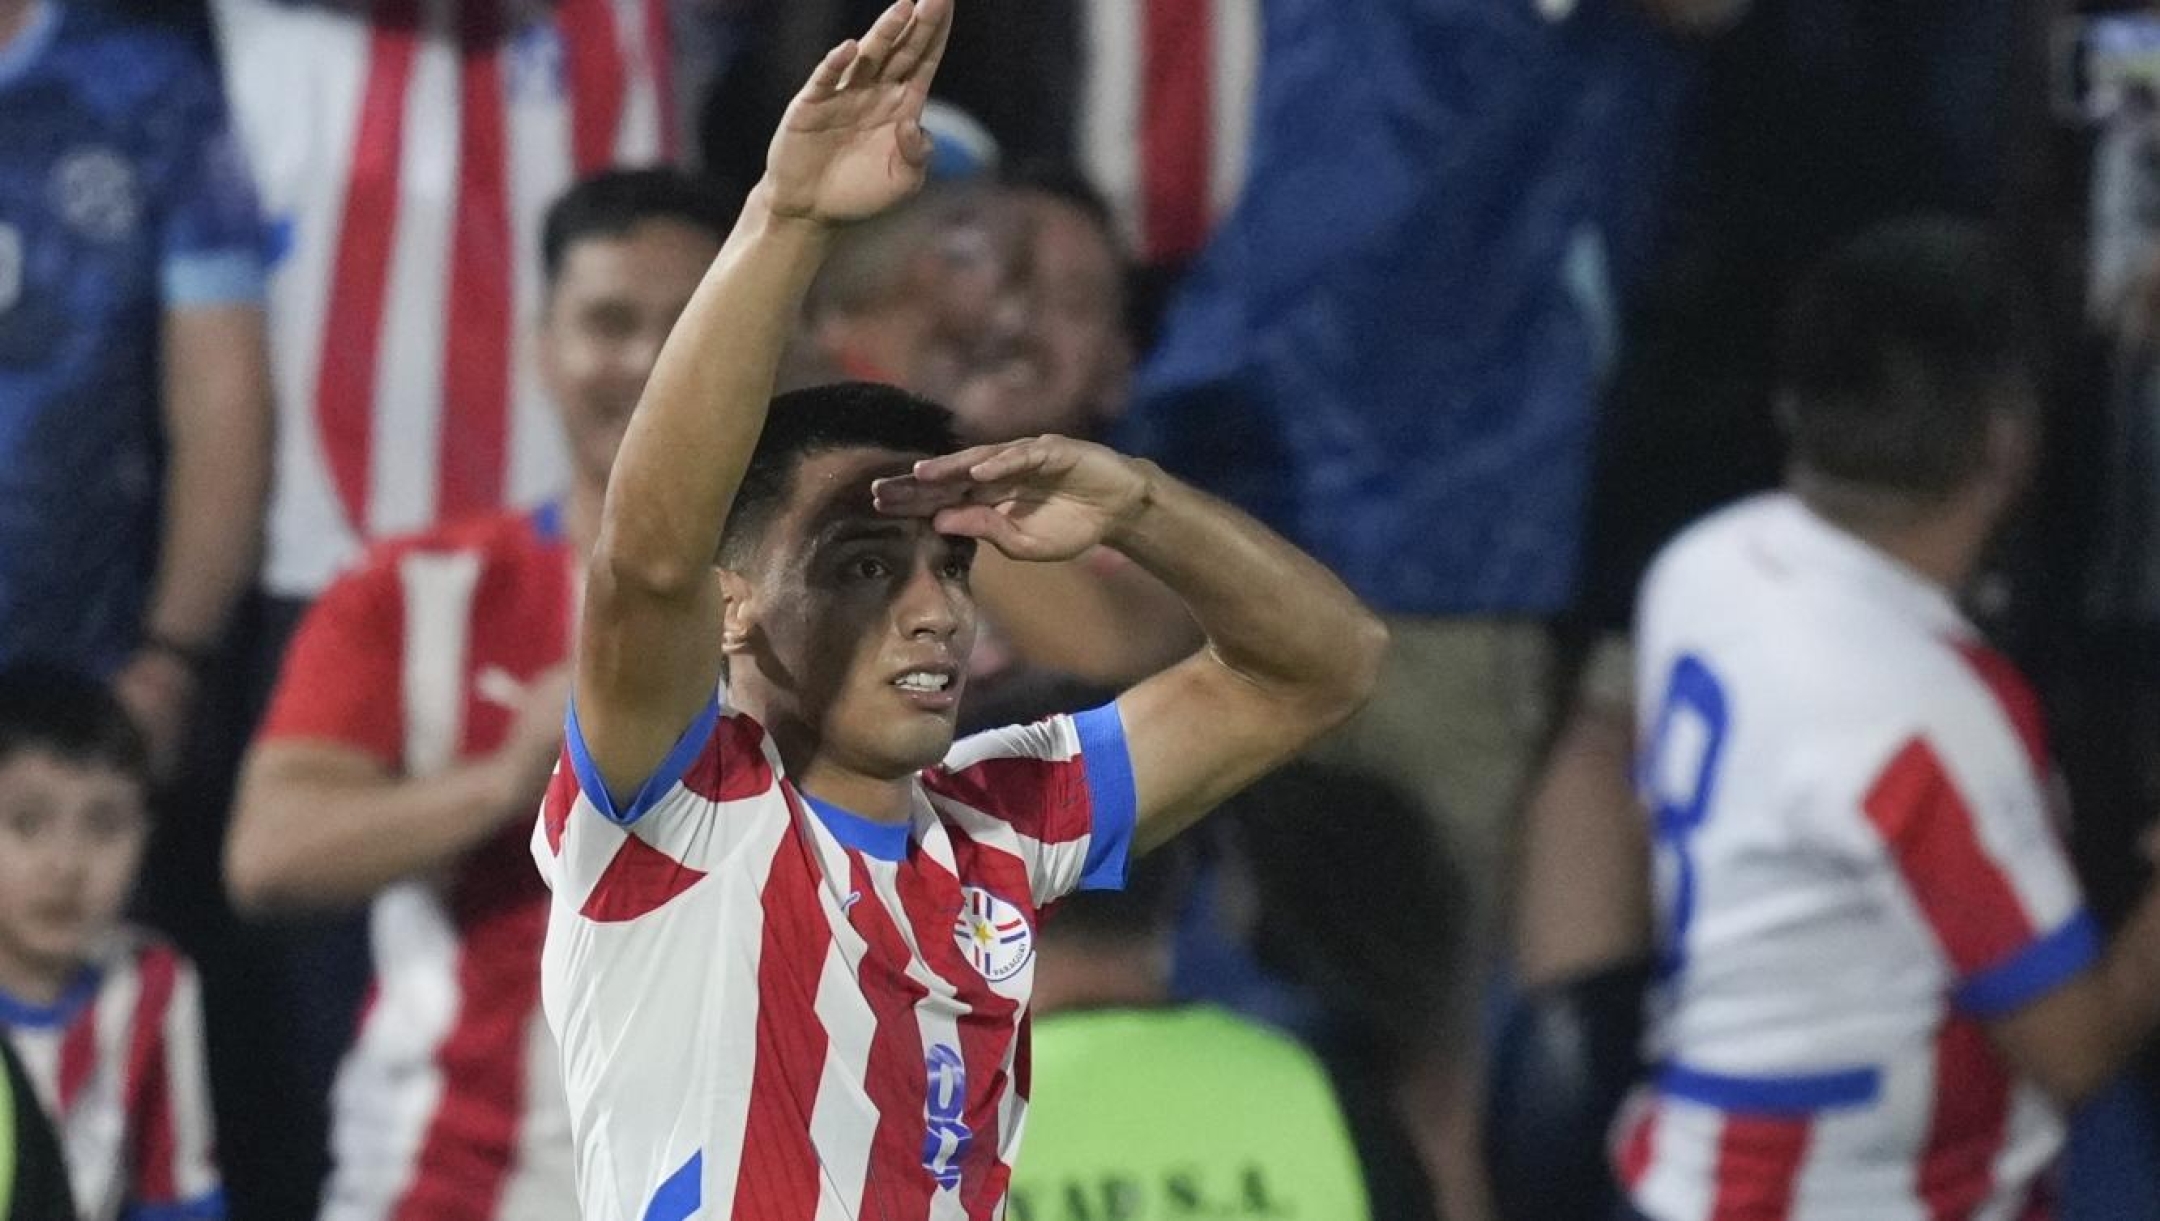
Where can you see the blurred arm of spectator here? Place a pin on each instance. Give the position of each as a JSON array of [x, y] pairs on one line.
[[1582, 902], [214, 396], [326, 817], [218, 427]]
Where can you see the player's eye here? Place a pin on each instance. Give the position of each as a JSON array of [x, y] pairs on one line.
[[24, 822], [957, 568], [869, 568], [107, 824]]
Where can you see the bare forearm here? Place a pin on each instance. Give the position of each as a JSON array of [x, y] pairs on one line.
[[217, 475], [686, 448], [302, 844], [1269, 611]]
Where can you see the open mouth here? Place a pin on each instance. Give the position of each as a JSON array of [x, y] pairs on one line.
[[930, 689]]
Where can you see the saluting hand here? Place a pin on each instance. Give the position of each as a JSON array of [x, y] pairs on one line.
[[1042, 499]]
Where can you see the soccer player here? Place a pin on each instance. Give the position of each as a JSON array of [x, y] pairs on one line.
[[417, 719], [106, 1018], [1879, 986], [792, 938]]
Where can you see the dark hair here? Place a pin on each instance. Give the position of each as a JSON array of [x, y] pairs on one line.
[[1896, 351], [69, 714], [613, 202], [1068, 185], [802, 423]]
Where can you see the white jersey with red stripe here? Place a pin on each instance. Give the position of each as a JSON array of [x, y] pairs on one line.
[[407, 152], [1166, 115], [1857, 868], [772, 1009], [449, 1105], [118, 1062]]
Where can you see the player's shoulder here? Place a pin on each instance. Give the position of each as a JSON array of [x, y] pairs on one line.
[[1717, 546], [134, 956]]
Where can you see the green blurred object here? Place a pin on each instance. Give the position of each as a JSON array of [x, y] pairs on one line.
[[1182, 1111], [33, 1179]]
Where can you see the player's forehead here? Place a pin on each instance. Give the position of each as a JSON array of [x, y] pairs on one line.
[[830, 498], [36, 775]]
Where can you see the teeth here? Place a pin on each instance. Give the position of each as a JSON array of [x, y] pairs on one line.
[[920, 681]]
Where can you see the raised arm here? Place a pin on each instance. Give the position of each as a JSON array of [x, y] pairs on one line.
[[1290, 653], [851, 145]]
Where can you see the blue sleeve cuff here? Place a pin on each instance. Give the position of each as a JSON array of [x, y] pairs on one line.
[[1112, 805], [209, 1207], [684, 753], [231, 277], [2033, 972]]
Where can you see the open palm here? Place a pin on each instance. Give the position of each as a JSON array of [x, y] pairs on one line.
[[852, 142]]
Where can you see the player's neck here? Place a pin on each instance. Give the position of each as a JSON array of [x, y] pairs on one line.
[[872, 797], [34, 982], [14, 19], [1085, 977], [1942, 543]]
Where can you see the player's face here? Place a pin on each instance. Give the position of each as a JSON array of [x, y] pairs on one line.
[[1077, 315], [613, 303], [864, 622], [71, 839]]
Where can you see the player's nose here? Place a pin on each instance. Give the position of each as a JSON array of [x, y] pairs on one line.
[[927, 605]]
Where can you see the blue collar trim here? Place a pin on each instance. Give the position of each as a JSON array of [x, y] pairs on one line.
[[887, 841]]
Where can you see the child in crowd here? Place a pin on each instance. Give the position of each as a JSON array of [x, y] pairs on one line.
[[106, 1017]]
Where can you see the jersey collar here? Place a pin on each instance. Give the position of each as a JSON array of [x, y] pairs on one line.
[[26, 1016], [1872, 573]]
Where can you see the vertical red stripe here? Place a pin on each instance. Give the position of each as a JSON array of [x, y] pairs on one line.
[[1638, 1146], [360, 278], [897, 1076], [592, 51], [931, 898], [472, 1141], [476, 374], [78, 1053], [1177, 98], [149, 1081], [1970, 1120], [1758, 1167], [660, 59], [1929, 829], [778, 1176]]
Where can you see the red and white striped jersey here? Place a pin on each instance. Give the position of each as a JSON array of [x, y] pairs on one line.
[[449, 1105], [771, 1008], [407, 152], [118, 1062], [1858, 867], [1166, 117]]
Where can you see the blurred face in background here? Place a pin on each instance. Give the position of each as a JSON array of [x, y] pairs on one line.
[[614, 300], [71, 840], [1060, 362]]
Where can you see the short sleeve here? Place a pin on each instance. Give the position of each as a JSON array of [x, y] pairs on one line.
[[1971, 843], [1062, 787], [340, 678], [211, 238], [175, 1170]]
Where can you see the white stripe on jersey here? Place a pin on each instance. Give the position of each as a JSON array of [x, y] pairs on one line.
[[438, 589]]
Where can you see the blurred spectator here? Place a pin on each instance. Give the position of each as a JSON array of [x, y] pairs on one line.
[[106, 1017], [1877, 981], [406, 151], [134, 417], [414, 729], [1392, 350], [1140, 1108], [33, 1178]]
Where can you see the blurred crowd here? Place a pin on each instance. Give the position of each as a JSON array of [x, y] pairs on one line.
[[320, 321]]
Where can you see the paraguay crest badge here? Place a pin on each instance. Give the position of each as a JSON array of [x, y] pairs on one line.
[[992, 934]]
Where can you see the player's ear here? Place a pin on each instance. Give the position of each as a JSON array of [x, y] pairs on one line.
[[738, 612]]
